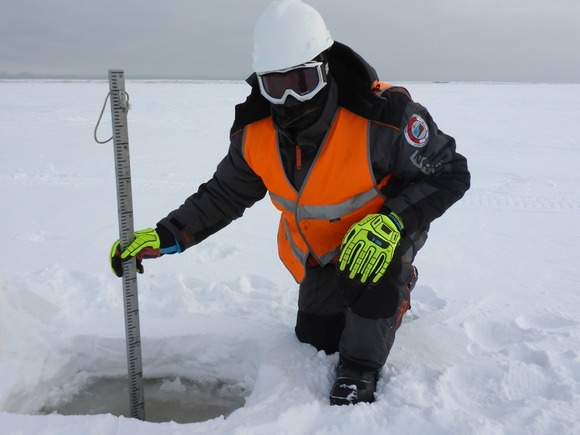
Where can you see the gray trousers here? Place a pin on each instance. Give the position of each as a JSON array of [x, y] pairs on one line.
[[336, 313]]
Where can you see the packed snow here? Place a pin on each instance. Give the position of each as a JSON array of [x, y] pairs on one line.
[[491, 346]]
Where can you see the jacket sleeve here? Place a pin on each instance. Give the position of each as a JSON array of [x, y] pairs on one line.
[[233, 188], [428, 174]]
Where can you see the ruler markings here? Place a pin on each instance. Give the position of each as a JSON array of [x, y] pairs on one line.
[[126, 234]]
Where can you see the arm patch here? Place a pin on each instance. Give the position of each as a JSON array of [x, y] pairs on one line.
[[392, 90], [392, 113]]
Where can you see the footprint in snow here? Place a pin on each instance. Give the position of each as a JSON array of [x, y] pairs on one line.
[[424, 299]]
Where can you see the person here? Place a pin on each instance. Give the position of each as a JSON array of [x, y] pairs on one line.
[[358, 171]]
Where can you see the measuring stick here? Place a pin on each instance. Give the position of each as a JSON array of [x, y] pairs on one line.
[[119, 108]]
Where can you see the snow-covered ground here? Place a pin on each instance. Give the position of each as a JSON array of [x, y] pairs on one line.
[[492, 345]]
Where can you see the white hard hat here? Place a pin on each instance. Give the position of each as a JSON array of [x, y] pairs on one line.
[[288, 33]]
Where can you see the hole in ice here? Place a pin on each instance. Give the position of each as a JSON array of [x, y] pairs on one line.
[[171, 399]]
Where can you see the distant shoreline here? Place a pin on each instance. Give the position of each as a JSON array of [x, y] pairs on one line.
[[80, 79], [84, 77]]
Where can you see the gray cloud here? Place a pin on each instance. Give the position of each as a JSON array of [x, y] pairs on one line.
[[455, 40]]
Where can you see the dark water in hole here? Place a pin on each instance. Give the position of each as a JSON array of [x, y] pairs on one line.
[[179, 400]]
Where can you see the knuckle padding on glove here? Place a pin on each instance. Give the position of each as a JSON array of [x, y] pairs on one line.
[[368, 248]]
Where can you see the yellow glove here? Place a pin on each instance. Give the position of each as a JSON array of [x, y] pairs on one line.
[[146, 239], [146, 244], [369, 245]]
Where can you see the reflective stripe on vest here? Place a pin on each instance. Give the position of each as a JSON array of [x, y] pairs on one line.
[[338, 191]]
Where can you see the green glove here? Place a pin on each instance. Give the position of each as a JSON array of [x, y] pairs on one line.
[[144, 239], [146, 244], [369, 246]]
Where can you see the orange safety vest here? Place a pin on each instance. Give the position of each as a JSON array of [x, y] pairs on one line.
[[339, 191]]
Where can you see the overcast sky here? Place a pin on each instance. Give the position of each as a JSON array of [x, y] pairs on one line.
[[419, 40]]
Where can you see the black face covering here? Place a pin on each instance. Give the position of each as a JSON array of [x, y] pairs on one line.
[[294, 116]]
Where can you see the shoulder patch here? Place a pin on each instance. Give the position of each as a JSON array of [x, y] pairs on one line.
[[417, 132], [400, 90]]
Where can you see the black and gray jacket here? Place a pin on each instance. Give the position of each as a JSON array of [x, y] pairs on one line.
[[428, 174]]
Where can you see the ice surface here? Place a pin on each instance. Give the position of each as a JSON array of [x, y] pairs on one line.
[[491, 346]]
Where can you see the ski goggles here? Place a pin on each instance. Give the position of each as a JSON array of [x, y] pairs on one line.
[[302, 82]]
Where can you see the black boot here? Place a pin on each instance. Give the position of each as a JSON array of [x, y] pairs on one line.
[[353, 385]]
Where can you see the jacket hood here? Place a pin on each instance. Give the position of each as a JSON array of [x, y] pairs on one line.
[[354, 78]]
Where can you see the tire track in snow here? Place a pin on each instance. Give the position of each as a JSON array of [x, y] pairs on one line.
[[520, 202], [499, 201], [163, 184]]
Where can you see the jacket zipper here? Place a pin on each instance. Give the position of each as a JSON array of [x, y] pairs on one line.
[[298, 157]]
